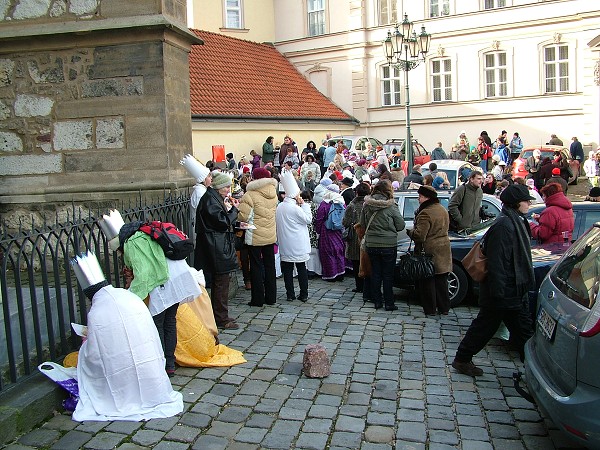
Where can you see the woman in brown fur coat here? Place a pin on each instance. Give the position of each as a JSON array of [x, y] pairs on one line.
[[431, 234]]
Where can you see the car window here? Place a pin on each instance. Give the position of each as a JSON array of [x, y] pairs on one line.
[[375, 142], [589, 219], [489, 208], [410, 206], [577, 275], [361, 144], [451, 176]]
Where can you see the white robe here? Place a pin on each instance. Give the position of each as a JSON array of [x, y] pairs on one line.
[[121, 366]]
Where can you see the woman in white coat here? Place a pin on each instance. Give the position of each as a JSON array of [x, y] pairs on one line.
[[292, 219]]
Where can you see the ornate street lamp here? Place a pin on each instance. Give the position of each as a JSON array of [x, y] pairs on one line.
[[405, 51]]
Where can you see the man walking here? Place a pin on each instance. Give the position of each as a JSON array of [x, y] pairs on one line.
[[465, 203]]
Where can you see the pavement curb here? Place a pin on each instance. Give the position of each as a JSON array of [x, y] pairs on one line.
[[27, 404]]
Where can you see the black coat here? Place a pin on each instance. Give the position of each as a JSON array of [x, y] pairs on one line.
[[215, 238], [510, 274]]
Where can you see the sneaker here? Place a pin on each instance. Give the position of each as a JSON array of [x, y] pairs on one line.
[[467, 368]]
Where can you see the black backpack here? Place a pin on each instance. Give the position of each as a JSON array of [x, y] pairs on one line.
[[173, 241]]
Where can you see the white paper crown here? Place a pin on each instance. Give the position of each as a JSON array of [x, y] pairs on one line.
[[87, 270], [111, 225], [195, 168], [289, 184]]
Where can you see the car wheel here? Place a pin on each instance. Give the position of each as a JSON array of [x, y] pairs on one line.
[[458, 285]]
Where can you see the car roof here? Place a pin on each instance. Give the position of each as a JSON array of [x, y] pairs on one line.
[[577, 206], [350, 136], [447, 164]]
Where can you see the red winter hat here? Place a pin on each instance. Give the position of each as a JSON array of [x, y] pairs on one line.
[[556, 171], [246, 169], [339, 175], [260, 172]]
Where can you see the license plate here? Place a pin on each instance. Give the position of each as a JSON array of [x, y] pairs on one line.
[[547, 324]]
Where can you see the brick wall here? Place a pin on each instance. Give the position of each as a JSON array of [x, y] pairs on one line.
[[94, 100]]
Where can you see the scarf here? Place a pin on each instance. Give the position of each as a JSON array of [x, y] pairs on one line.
[[523, 256]]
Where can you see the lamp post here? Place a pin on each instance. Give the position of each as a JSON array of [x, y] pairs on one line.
[[405, 50]]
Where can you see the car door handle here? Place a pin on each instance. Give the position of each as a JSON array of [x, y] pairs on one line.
[[551, 295]]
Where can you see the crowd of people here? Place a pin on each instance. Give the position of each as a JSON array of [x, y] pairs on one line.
[[326, 212]]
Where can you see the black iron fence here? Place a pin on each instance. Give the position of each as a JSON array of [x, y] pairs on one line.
[[39, 294]]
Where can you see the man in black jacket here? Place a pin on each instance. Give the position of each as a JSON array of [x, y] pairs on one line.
[[415, 176], [503, 295]]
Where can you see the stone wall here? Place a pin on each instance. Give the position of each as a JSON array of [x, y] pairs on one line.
[[94, 100]]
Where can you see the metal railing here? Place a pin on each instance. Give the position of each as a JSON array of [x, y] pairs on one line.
[[39, 293]]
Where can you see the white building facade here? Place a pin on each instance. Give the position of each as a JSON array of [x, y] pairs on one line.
[[527, 66]]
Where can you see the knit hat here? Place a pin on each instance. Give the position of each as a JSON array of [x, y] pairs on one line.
[[496, 158], [339, 175], [556, 171], [334, 188], [246, 169], [427, 191], [325, 182], [395, 185], [595, 192], [515, 193], [361, 162], [195, 168], [311, 156], [220, 180], [258, 173], [501, 163]]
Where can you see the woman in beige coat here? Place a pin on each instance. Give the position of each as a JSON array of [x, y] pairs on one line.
[[257, 207], [431, 234]]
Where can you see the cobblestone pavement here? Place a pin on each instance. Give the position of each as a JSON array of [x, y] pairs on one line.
[[390, 387]]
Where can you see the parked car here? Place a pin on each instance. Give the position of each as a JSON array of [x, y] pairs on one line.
[[518, 165], [408, 202], [420, 155], [457, 171], [544, 256], [586, 214], [561, 359], [355, 143]]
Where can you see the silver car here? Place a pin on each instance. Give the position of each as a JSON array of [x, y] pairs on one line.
[[561, 359]]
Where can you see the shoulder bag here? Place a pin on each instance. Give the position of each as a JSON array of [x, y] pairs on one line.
[[415, 266], [475, 262], [365, 262]]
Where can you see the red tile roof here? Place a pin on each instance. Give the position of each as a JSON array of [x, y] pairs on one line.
[[232, 77]]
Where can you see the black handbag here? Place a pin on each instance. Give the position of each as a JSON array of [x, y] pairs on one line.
[[415, 266]]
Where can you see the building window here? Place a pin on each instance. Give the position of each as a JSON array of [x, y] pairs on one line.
[[388, 11], [556, 68], [390, 85], [441, 74], [496, 80], [438, 8], [492, 4], [233, 14], [316, 17]]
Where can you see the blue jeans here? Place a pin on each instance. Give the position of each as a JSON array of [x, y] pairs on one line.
[[383, 262]]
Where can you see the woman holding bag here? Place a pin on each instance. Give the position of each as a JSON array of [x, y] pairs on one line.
[[381, 240], [430, 234]]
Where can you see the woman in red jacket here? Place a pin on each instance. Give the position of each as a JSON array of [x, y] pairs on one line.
[[556, 219]]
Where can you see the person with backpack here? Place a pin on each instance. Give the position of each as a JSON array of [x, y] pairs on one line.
[[381, 220], [328, 224], [465, 203], [150, 274]]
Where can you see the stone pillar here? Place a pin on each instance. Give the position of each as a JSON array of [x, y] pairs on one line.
[[94, 100]]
